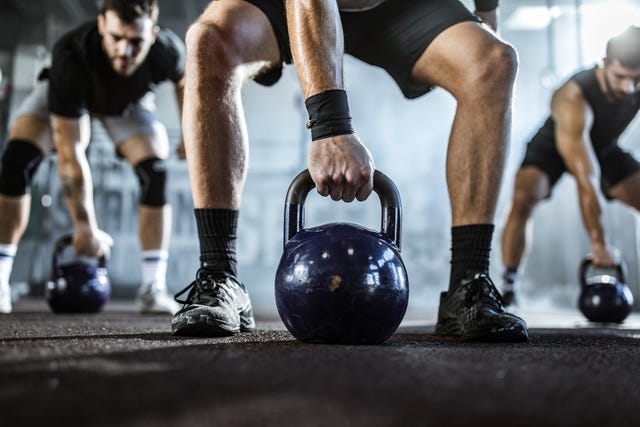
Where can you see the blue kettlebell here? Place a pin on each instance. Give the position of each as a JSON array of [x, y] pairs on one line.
[[604, 298], [341, 283], [79, 286]]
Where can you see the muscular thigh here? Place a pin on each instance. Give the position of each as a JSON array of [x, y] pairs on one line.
[[137, 134], [453, 56], [33, 129], [542, 156], [32, 119], [619, 175], [628, 191], [256, 30], [532, 183], [143, 146], [395, 34]]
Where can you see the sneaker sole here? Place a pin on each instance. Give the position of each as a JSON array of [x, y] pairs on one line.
[[203, 325], [514, 332]]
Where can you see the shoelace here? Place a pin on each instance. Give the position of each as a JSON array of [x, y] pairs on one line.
[[485, 292], [206, 283]]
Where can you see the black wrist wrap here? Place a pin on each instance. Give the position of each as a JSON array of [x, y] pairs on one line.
[[328, 114], [486, 5]]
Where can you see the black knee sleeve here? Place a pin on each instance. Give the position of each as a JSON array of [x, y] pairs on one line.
[[152, 174], [20, 161]]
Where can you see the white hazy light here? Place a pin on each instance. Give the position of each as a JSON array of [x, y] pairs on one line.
[[600, 22], [532, 17]]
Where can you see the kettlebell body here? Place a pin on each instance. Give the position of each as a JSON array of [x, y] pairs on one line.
[[79, 286], [604, 298], [339, 282]]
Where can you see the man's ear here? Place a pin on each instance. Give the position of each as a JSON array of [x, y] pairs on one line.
[[101, 24], [155, 32]]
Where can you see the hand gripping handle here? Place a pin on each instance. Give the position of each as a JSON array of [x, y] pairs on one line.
[[391, 221], [587, 262], [61, 244]]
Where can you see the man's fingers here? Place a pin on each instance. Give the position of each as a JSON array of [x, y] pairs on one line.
[[322, 186], [360, 186], [349, 194], [364, 192], [603, 262], [337, 186], [106, 239], [366, 188], [346, 187]]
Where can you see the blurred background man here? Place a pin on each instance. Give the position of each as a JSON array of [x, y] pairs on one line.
[[105, 69]]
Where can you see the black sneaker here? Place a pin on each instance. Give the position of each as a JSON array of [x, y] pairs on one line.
[[475, 311], [217, 305]]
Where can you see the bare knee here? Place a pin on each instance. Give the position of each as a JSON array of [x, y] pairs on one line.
[[522, 206], [211, 49], [493, 73], [498, 68]]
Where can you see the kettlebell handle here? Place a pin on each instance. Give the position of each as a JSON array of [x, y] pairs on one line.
[[61, 244], [391, 227], [588, 261]]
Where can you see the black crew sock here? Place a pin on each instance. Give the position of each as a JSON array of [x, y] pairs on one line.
[[470, 247], [217, 230]]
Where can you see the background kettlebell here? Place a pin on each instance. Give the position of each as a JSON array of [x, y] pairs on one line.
[[340, 282], [79, 286], [604, 298]]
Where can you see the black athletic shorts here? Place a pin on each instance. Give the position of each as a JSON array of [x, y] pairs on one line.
[[392, 35], [615, 164]]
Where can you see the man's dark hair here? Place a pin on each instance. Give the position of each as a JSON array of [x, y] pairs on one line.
[[625, 47], [130, 10]]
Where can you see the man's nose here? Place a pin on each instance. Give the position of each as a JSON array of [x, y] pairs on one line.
[[628, 86], [124, 48]]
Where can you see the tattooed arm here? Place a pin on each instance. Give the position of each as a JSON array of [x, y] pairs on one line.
[[71, 137]]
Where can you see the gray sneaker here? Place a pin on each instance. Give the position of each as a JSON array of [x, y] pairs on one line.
[[154, 298], [217, 305], [474, 310]]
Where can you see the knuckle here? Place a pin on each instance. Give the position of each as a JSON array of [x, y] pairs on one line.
[[366, 174], [338, 178]]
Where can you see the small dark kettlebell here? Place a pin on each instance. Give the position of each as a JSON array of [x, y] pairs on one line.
[[341, 283], [604, 298], [78, 286]]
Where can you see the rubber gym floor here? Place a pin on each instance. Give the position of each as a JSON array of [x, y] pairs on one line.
[[121, 368]]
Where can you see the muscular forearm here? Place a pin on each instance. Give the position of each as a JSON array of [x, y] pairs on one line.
[[317, 44], [77, 190], [71, 137], [591, 210]]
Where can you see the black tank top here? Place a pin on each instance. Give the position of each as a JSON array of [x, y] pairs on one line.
[[610, 119]]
